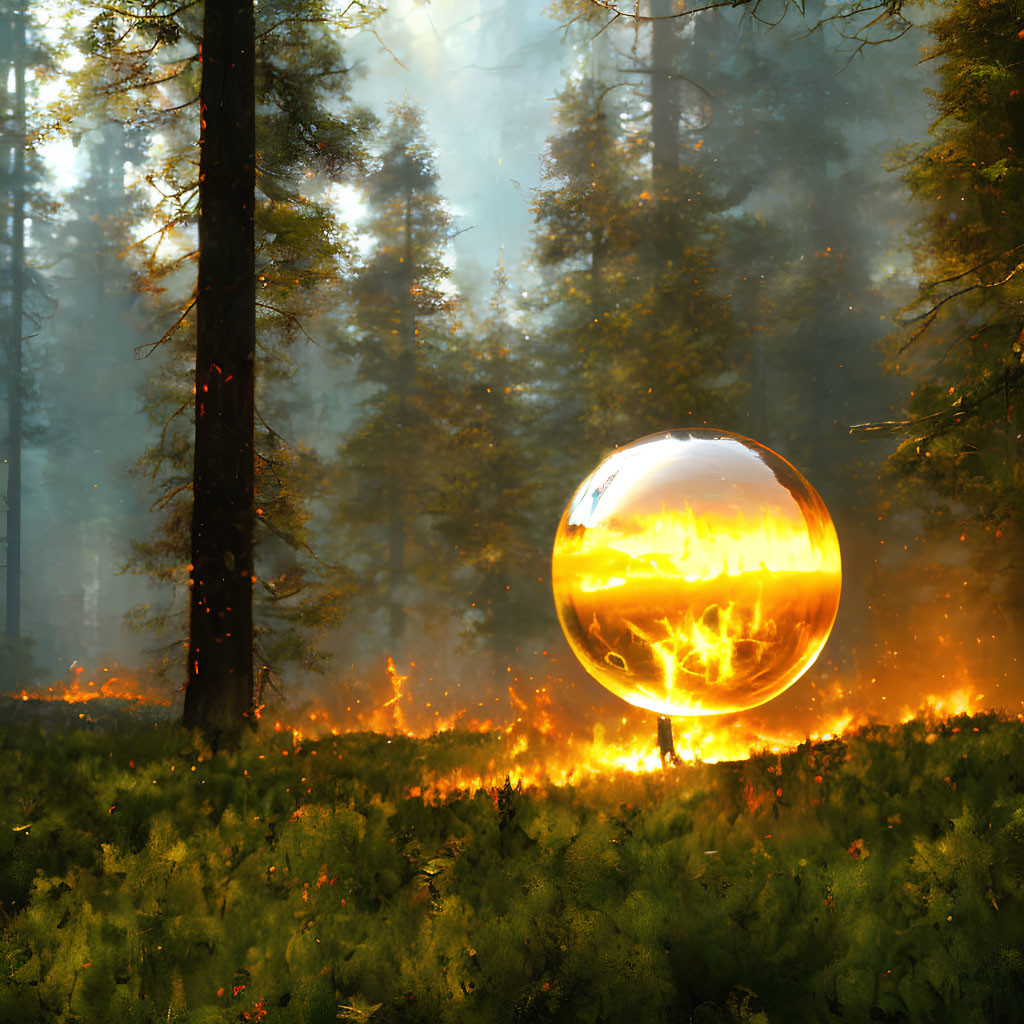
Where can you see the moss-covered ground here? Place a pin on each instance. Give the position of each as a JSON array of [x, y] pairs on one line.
[[877, 878]]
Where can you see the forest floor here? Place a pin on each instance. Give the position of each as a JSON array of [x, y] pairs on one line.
[[877, 877], [106, 713]]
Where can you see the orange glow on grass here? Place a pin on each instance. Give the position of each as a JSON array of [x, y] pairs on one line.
[[122, 686], [542, 731]]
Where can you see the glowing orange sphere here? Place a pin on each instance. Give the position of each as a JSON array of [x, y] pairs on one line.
[[696, 572]]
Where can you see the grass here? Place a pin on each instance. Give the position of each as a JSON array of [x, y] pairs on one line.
[[878, 877]]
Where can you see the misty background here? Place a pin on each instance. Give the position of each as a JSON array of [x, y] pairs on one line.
[[806, 231]]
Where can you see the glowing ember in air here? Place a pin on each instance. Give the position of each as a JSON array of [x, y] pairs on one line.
[[696, 572]]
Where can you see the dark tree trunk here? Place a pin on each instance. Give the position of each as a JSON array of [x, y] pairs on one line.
[[219, 695], [666, 742], [664, 97], [14, 339]]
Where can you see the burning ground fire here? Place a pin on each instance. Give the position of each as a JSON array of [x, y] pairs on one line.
[[546, 734], [116, 686]]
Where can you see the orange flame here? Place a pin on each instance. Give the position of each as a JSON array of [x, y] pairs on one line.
[[543, 732], [122, 686], [540, 741], [384, 720]]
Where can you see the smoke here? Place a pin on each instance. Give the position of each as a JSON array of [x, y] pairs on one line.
[[791, 134], [484, 73]]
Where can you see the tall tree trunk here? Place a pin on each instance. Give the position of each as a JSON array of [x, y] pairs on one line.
[[664, 97], [398, 528], [219, 695], [14, 361]]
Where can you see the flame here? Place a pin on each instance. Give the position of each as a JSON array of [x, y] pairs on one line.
[[537, 736], [397, 682], [962, 701], [685, 614], [124, 686], [540, 730]]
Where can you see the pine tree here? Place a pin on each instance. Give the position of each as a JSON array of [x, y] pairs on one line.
[[402, 328], [22, 289], [963, 336], [493, 564], [585, 242], [219, 692], [16, 38], [636, 335], [301, 148]]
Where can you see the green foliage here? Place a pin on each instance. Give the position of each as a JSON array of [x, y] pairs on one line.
[[961, 337], [309, 138], [876, 878], [634, 335], [401, 335]]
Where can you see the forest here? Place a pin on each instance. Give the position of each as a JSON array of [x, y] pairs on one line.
[[317, 312]]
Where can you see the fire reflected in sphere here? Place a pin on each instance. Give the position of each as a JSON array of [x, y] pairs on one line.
[[696, 572]]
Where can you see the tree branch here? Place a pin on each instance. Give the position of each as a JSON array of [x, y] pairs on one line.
[[291, 318], [163, 438], [929, 315], [135, 16], [145, 351], [878, 12], [963, 406], [165, 499]]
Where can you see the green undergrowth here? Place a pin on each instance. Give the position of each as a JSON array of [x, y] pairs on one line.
[[878, 878]]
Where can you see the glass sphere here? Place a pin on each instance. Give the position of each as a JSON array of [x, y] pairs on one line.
[[696, 572]]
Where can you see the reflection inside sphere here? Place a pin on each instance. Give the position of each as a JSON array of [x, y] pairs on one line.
[[696, 572]]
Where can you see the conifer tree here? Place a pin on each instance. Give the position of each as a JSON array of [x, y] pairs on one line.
[[402, 328], [15, 33], [637, 335], [962, 339], [583, 232], [21, 289], [798, 278], [302, 148], [219, 692], [494, 560]]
